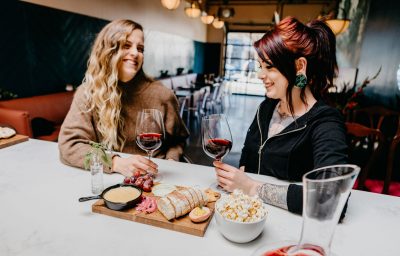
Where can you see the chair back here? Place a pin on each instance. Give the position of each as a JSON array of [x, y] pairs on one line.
[[216, 88], [182, 105], [203, 107], [394, 155], [365, 146], [377, 117]]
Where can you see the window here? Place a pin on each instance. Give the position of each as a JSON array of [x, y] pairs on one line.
[[240, 60]]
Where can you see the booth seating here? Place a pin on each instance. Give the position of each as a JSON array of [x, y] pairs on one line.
[[38, 117]]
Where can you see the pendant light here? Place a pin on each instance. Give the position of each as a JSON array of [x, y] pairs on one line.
[[206, 19], [194, 10], [218, 24], [170, 4]]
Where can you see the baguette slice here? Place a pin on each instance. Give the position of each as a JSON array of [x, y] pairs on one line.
[[194, 196], [176, 204], [205, 197], [188, 196], [166, 208], [200, 196], [183, 201], [180, 202]]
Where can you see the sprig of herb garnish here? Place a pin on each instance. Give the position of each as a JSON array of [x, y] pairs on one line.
[[100, 150]]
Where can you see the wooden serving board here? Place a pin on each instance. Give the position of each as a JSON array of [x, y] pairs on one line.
[[13, 140], [181, 224]]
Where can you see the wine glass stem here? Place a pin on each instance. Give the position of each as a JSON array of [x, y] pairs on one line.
[[150, 154], [218, 160]]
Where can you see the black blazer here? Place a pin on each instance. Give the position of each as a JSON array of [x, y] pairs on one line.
[[316, 139]]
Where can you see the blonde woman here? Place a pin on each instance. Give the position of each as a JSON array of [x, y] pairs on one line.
[[113, 91]]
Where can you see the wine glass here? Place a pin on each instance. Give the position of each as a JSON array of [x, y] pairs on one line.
[[325, 192], [150, 132], [216, 138]]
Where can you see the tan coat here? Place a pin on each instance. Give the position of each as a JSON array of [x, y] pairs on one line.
[[79, 126]]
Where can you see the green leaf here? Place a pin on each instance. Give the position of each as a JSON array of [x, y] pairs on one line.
[[97, 149], [86, 161]]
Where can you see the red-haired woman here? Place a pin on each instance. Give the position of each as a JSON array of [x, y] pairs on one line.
[[294, 131]]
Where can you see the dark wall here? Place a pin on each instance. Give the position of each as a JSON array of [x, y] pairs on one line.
[[207, 58], [212, 58], [199, 49], [43, 49], [381, 47]]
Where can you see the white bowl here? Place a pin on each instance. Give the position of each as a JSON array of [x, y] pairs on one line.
[[239, 232]]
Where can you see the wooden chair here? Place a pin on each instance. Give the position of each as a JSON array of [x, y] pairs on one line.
[[391, 158], [377, 117], [381, 118], [365, 146]]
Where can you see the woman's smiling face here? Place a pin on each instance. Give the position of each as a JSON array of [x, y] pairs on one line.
[[275, 83], [132, 56]]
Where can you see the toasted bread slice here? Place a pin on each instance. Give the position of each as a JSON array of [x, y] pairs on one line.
[[212, 195], [166, 208]]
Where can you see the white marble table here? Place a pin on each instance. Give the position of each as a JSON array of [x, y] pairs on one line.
[[40, 215]]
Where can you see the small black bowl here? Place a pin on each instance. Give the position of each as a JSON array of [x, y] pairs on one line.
[[113, 205]]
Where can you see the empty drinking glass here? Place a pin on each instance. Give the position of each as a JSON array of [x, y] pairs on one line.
[[325, 192]]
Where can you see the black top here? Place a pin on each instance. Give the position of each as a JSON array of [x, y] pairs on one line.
[[316, 139]]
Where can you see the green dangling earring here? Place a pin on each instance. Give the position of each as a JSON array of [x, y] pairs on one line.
[[301, 80]]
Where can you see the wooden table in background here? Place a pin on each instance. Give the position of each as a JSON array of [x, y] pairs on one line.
[[13, 140]]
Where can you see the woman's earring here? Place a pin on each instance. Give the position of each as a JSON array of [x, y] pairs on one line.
[[301, 80]]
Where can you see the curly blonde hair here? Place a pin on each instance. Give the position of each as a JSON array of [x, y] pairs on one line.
[[102, 93]]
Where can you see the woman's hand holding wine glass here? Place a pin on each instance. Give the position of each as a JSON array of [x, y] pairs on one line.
[[150, 131], [216, 137], [128, 165]]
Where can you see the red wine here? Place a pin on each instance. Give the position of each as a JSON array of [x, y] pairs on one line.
[[311, 250], [149, 141], [218, 148]]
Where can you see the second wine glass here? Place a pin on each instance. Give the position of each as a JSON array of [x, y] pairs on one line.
[[150, 131], [216, 138]]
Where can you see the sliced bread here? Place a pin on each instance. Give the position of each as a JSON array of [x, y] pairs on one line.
[[175, 201], [194, 196], [200, 196], [166, 208], [188, 196], [183, 201]]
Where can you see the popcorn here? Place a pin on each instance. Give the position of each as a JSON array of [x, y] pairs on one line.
[[240, 207]]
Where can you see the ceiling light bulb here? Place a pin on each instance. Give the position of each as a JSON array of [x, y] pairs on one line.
[[218, 24], [193, 11], [170, 4], [206, 19]]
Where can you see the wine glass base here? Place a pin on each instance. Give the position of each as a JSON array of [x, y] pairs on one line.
[[287, 248], [158, 178], [214, 186]]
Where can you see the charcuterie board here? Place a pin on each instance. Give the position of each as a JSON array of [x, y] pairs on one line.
[[13, 140], [181, 224]]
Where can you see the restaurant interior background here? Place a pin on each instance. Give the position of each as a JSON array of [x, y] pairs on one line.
[[45, 44]]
